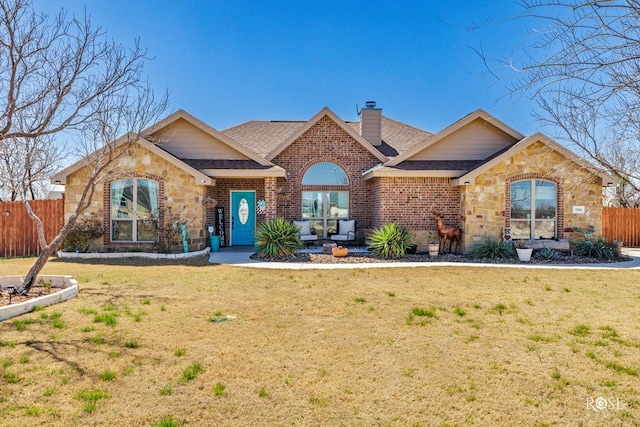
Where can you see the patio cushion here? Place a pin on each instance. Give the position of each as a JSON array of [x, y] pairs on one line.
[[304, 227], [305, 233], [347, 227], [346, 230]]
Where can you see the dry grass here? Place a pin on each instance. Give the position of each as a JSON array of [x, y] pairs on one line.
[[220, 345]]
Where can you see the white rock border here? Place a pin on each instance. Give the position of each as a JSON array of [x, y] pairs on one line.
[[149, 255], [67, 285]]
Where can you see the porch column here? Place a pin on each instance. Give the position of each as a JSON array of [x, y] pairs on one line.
[[270, 192]]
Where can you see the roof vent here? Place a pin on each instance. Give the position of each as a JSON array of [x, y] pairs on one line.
[[370, 104]]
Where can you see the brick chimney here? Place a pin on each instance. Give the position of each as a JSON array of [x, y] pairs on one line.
[[371, 123]]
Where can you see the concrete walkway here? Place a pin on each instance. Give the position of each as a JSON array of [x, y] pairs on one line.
[[241, 257]]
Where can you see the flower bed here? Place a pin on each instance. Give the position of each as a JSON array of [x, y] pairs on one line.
[[48, 290]]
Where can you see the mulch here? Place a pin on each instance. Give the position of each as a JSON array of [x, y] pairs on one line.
[[363, 258], [36, 291]]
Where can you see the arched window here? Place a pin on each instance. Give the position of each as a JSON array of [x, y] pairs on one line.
[[325, 173], [134, 210], [324, 208], [534, 206]]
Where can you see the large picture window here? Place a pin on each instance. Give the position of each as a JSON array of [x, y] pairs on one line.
[[134, 210], [324, 208], [533, 209]]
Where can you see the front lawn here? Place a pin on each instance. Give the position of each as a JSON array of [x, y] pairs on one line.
[[429, 346]]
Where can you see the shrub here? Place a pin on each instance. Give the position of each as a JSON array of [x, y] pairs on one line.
[[277, 238], [169, 235], [548, 254], [83, 234], [599, 248], [491, 248], [389, 241]]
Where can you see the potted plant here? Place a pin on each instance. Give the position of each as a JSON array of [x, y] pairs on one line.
[[524, 253], [434, 248], [340, 251]]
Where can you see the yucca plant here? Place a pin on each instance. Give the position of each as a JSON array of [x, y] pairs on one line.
[[599, 248], [389, 241], [491, 248], [277, 238]]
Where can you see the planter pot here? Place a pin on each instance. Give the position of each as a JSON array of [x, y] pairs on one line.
[[433, 249], [524, 254], [412, 249], [215, 243], [340, 251]]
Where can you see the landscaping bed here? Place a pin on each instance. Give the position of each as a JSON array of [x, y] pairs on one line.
[[361, 258]]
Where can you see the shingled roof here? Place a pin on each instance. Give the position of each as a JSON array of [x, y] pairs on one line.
[[263, 137]]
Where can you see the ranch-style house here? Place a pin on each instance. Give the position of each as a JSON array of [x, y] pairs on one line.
[[478, 173]]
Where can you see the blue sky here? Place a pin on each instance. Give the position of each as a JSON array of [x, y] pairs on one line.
[[228, 62]]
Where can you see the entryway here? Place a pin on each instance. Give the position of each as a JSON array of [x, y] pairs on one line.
[[243, 218]]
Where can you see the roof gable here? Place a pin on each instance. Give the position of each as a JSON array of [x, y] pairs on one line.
[[199, 177], [474, 137], [187, 137], [315, 119], [470, 176]]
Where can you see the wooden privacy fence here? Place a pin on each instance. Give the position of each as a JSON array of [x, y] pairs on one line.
[[18, 235], [622, 224]]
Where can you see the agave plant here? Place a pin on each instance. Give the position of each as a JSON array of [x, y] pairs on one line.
[[389, 241], [491, 248], [599, 248], [548, 254], [277, 238]]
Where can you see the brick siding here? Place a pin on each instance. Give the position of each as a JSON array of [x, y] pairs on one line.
[[412, 201], [325, 142]]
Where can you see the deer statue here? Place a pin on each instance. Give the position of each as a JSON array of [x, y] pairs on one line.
[[447, 232]]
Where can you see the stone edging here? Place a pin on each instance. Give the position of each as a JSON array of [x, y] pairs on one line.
[[149, 255], [67, 285]]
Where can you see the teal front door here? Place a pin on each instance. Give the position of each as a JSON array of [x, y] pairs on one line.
[[243, 218]]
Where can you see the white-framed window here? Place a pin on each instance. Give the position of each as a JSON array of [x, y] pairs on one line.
[[134, 210], [324, 208], [534, 207]]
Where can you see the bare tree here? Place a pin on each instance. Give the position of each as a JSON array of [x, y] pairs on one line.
[[582, 66], [26, 164], [61, 77]]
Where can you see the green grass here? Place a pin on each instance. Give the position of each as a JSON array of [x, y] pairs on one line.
[[132, 344], [192, 371], [90, 398], [423, 312], [168, 422], [106, 318], [219, 390], [108, 375], [581, 330], [460, 312], [22, 324]]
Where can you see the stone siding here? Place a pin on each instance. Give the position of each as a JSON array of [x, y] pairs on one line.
[[486, 203], [178, 190]]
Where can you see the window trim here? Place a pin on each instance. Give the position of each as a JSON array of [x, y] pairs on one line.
[[532, 220], [325, 209], [134, 220]]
